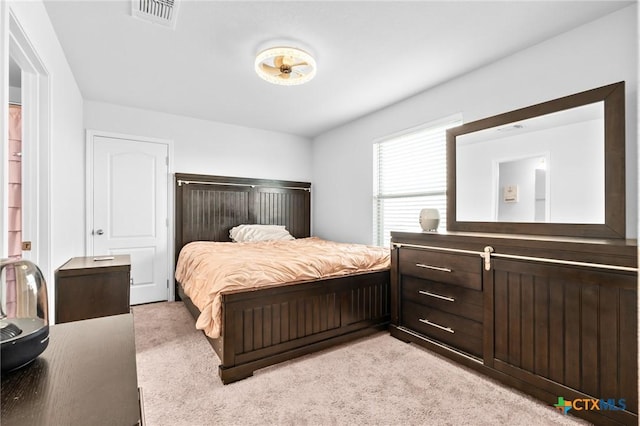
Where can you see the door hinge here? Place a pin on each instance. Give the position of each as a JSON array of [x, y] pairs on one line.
[[166, 160], [167, 283]]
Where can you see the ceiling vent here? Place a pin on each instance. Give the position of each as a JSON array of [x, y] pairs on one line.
[[161, 12]]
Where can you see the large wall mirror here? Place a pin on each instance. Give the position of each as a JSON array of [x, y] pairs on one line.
[[555, 168]]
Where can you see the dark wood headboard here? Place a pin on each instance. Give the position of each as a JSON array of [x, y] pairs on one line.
[[207, 207]]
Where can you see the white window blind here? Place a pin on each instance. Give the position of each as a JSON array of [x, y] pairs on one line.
[[410, 174]]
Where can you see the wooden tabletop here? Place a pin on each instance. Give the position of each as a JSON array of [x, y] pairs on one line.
[[94, 264], [86, 376]]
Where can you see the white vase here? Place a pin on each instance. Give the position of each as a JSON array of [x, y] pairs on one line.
[[429, 219]]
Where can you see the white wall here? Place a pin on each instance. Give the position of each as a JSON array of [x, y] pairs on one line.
[[208, 147], [15, 95], [596, 54], [61, 195]]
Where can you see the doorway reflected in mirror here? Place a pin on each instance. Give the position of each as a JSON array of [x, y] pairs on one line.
[[522, 190]]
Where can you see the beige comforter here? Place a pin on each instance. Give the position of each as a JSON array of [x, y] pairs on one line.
[[205, 269]]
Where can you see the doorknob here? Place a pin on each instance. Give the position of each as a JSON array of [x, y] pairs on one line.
[[99, 232]]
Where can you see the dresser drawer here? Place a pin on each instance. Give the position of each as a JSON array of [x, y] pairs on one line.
[[444, 297], [453, 330], [458, 269]]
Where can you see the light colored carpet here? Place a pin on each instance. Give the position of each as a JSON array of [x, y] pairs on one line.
[[377, 380]]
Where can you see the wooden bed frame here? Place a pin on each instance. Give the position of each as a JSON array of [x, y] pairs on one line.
[[272, 324]]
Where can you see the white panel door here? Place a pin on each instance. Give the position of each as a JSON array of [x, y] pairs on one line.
[[130, 207]]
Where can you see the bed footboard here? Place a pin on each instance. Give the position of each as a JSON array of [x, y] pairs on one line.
[[266, 326]]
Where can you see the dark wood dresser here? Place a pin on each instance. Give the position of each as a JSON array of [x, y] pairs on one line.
[[86, 376], [91, 287], [550, 317]]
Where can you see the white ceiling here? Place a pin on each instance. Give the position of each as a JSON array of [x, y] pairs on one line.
[[369, 54]]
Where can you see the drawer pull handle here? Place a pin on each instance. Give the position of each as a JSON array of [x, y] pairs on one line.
[[435, 268], [437, 296], [433, 324]]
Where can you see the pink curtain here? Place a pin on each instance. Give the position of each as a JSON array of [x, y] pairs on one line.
[[15, 181], [15, 203]]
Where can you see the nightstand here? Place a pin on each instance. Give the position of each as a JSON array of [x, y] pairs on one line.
[[91, 287]]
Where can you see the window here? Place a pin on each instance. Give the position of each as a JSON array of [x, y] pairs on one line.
[[410, 173]]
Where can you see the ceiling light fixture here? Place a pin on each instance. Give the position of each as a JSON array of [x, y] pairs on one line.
[[287, 66]]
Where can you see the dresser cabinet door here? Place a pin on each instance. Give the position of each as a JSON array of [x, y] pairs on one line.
[[568, 325]]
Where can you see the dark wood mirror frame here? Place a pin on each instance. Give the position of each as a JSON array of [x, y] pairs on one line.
[[613, 96]]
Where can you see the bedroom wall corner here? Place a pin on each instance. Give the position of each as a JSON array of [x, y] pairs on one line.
[[601, 52]]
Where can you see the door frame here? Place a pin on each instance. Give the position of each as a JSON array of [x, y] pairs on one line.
[[36, 112], [90, 135]]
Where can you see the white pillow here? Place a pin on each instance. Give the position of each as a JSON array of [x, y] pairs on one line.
[[245, 233]]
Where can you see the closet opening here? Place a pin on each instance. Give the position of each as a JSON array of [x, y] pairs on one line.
[[25, 219]]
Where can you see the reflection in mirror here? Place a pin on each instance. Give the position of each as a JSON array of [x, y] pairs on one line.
[[582, 140], [548, 168], [522, 190]]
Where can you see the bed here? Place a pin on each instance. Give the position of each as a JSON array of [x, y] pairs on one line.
[[271, 324]]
